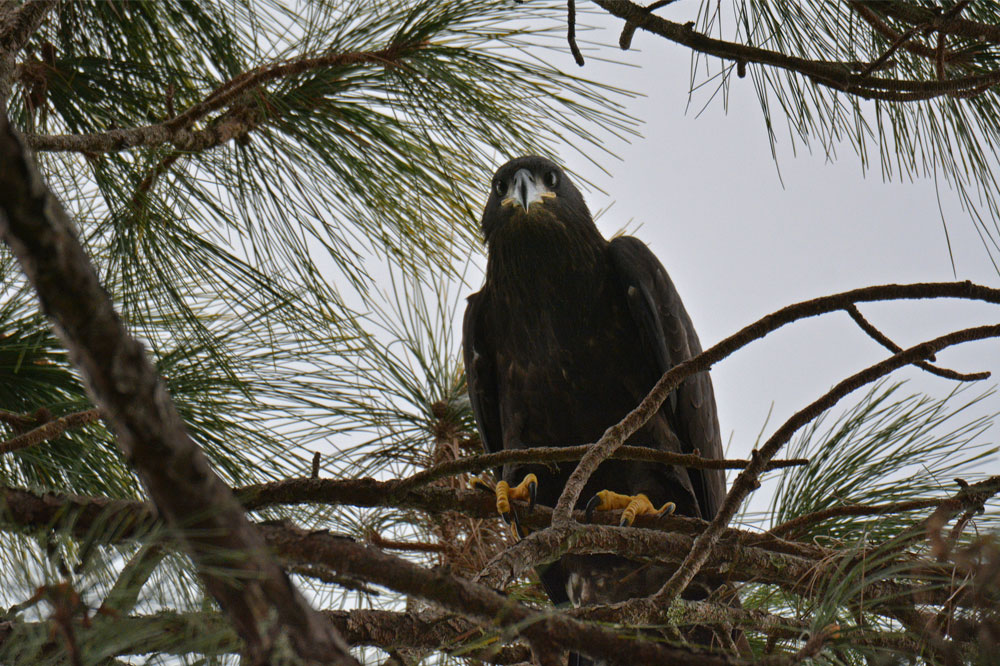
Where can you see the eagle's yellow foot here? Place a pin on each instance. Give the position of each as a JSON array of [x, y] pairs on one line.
[[633, 505], [527, 489]]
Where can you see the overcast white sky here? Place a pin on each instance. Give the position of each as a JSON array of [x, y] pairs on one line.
[[739, 244]]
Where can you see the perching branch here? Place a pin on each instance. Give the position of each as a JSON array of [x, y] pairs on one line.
[[133, 519], [255, 593], [543, 454]]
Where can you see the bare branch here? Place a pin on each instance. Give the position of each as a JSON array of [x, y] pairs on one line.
[[256, 594], [571, 32], [615, 436], [884, 340]]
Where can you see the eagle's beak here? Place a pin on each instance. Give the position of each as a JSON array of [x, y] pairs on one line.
[[524, 191]]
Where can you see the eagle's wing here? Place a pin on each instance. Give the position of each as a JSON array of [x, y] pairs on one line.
[[481, 375], [664, 324]]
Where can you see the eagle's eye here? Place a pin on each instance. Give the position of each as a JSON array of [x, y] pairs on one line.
[[551, 179], [499, 187]]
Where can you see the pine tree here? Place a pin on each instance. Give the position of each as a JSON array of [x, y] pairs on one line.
[[280, 199]]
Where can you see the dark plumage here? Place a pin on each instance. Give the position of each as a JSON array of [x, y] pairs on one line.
[[567, 335]]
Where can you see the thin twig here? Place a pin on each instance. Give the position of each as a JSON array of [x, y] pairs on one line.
[[882, 59], [884, 340], [50, 430], [377, 539], [791, 528], [887, 31], [571, 32]]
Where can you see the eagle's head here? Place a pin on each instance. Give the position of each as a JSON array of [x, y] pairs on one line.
[[532, 192]]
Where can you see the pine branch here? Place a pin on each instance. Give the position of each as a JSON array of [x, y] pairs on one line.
[[791, 527], [178, 131], [125, 386], [838, 76]]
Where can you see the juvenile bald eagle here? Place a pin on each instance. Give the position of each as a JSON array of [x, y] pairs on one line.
[[568, 334]]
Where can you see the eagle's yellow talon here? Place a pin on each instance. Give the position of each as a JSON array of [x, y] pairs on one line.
[[632, 505], [527, 489]]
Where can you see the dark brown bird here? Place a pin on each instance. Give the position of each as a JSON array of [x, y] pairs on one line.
[[569, 332]]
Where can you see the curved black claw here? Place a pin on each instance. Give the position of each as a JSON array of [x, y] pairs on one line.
[[479, 483], [518, 530], [592, 505], [532, 495], [506, 515]]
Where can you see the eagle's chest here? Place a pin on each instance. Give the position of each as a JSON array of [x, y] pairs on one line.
[[569, 369]]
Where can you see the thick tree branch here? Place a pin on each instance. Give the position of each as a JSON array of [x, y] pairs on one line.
[[476, 601], [256, 594], [50, 430], [615, 436]]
